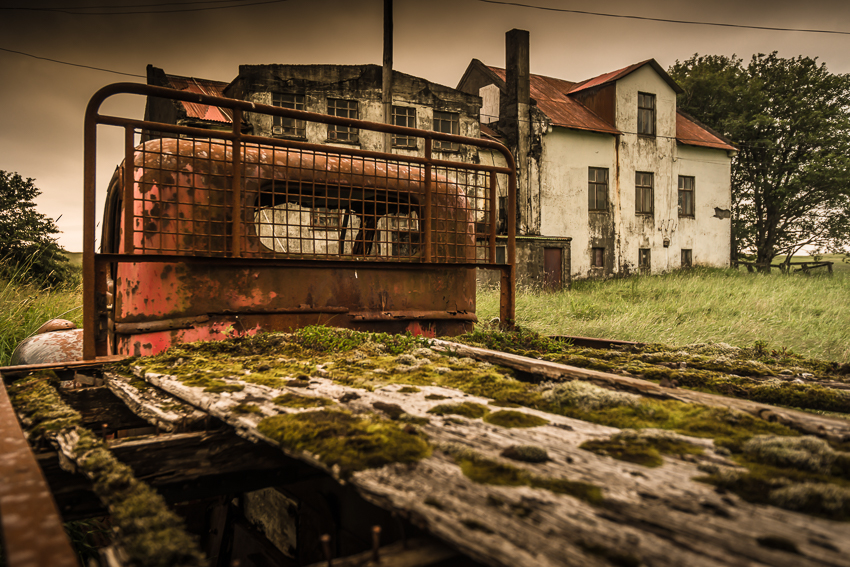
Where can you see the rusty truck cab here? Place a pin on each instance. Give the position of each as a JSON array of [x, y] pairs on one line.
[[208, 235]]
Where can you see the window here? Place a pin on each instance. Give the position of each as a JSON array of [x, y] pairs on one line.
[[447, 123], [325, 219], [643, 260], [500, 255], [404, 116], [687, 258], [345, 109], [597, 257], [686, 196], [597, 188], [288, 126], [646, 114], [643, 192]]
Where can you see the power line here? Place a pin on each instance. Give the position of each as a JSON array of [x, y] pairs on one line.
[[664, 20], [72, 64], [72, 13], [112, 6]]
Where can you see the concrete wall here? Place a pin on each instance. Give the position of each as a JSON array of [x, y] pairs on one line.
[[708, 233], [363, 83], [566, 157], [646, 154]]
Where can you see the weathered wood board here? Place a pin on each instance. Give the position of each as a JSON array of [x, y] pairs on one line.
[[659, 516]]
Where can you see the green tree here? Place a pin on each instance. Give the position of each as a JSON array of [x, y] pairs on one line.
[[790, 119], [27, 237]]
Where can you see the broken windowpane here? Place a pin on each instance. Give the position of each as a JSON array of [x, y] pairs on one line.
[[344, 109], [325, 219], [597, 188], [686, 196], [687, 258], [646, 114], [597, 257], [288, 126], [404, 116], [644, 260], [643, 192], [447, 123]]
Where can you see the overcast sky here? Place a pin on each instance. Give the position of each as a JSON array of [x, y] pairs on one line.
[[42, 103]]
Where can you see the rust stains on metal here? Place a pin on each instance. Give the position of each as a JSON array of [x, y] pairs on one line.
[[205, 87], [56, 325], [32, 531], [620, 73]]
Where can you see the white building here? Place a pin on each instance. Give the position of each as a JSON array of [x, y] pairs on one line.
[[610, 163]]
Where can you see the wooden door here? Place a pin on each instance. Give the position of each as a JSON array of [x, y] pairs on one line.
[[552, 267]]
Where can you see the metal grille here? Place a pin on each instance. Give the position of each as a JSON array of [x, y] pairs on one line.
[[305, 204]]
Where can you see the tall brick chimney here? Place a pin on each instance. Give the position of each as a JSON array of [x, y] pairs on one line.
[[517, 124]]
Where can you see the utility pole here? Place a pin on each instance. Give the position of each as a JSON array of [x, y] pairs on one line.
[[387, 86]]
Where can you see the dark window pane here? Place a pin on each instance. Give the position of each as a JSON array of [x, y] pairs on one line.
[[447, 123], [344, 109]]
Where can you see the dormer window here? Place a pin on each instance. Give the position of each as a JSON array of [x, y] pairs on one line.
[[646, 114]]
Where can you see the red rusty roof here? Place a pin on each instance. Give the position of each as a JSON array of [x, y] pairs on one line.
[[552, 97], [550, 94], [691, 132], [620, 73], [206, 87]]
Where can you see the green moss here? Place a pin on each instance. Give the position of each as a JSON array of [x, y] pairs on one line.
[[643, 448], [488, 471], [509, 418], [465, 409], [715, 368], [152, 535], [246, 409], [290, 400], [408, 390], [139, 384], [340, 439], [436, 397], [526, 453]]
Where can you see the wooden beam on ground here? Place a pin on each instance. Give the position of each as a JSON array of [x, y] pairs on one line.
[[166, 412], [181, 467], [812, 424]]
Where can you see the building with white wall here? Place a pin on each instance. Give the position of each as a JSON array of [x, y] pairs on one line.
[[610, 163]]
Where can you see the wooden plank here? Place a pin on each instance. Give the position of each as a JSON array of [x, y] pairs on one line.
[[822, 426], [156, 407], [181, 467], [656, 516]]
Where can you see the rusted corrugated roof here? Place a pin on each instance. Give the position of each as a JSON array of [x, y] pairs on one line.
[[206, 87], [690, 132], [551, 97], [487, 132], [620, 73]]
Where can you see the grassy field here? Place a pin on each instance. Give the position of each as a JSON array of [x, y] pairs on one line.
[[24, 308], [808, 315]]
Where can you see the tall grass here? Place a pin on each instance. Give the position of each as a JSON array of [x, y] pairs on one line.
[[25, 305], [809, 315]]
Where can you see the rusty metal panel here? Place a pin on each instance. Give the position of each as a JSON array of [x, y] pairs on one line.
[[692, 133], [389, 241], [30, 524], [205, 87]]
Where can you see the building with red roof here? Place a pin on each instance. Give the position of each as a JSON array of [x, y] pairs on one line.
[[610, 163]]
